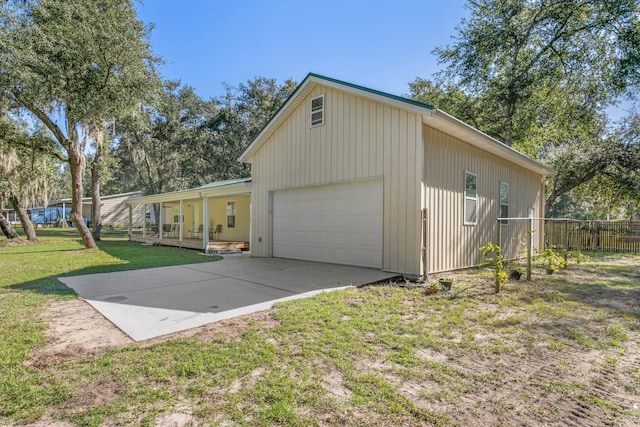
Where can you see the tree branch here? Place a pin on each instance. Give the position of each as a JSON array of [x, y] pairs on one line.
[[43, 117]]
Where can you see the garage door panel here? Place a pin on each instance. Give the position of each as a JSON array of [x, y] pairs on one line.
[[339, 223]]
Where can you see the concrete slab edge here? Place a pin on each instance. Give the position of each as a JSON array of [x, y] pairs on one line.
[[142, 323]]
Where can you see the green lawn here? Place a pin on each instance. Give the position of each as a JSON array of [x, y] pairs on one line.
[[561, 347]]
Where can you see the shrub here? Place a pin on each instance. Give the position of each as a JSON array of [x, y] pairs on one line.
[[493, 257], [551, 259]]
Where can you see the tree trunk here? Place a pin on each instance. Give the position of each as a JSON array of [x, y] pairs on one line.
[[559, 190], [508, 122], [27, 225], [96, 180], [76, 167], [5, 225]]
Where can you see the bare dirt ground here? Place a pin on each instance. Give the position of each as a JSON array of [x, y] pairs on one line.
[[78, 332], [522, 393]]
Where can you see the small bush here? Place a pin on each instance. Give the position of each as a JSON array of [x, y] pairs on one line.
[[550, 259], [493, 257]]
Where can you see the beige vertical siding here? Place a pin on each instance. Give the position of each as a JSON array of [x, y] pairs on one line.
[[451, 243], [115, 211], [361, 139]]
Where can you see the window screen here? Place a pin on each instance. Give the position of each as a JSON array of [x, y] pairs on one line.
[[504, 202], [470, 198], [231, 214], [317, 111]]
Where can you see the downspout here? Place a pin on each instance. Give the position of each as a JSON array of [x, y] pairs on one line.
[[424, 212], [425, 236]]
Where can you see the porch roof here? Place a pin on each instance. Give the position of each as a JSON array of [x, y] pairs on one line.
[[212, 189]]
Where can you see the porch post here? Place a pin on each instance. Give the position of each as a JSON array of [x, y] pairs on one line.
[[160, 225], [144, 221], [529, 247], [63, 209], [181, 220], [130, 221], [205, 225]]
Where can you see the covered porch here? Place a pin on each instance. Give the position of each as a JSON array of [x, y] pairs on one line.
[[214, 218]]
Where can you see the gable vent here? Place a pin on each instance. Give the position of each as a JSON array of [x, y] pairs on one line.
[[317, 111]]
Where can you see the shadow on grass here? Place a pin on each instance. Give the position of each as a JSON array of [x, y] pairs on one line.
[[114, 255], [600, 285], [609, 282]]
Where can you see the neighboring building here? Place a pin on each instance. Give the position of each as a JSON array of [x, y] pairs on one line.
[[11, 215], [114, 211], [351, 175], [344, 174]]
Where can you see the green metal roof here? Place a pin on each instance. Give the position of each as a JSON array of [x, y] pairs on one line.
[[373, 91], [222, 183]]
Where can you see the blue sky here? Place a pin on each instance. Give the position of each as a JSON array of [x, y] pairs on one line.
[[381, 45]]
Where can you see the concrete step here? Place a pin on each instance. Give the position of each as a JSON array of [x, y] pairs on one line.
[[223, 250]]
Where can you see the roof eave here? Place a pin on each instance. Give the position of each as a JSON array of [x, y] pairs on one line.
[[282, 111], [193, 193], [457, 128]]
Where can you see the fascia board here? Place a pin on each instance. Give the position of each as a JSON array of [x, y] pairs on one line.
[[440, 120], [227, 190], [289, 105]]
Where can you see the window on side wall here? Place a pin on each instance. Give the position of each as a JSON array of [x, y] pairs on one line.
[[231, 214], [470, 198], [504, 202], [176, 215], [317, 111]]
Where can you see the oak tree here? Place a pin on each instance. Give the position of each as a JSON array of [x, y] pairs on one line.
[[72, 63]]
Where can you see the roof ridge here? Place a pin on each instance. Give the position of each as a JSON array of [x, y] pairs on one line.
[[373, 91]]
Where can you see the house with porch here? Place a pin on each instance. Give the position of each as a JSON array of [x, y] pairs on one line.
[[212, 217]]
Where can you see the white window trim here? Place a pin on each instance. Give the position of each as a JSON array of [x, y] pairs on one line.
[[505, 222], [312, 111], [475, 199], [235, 207], [176, 215]]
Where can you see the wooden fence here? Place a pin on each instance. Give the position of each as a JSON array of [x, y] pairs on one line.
[[612, 236]]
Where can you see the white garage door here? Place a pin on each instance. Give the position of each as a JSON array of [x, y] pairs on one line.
[[339, 223]]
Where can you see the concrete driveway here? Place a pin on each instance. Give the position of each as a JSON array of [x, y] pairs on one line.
[[158, 301]]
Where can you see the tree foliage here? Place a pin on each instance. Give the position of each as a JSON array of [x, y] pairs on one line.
[[26, 169], [242, 113], [511, 52], [179, 140], [72, 63], [615, 191], [537, 75], [153, 145]]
